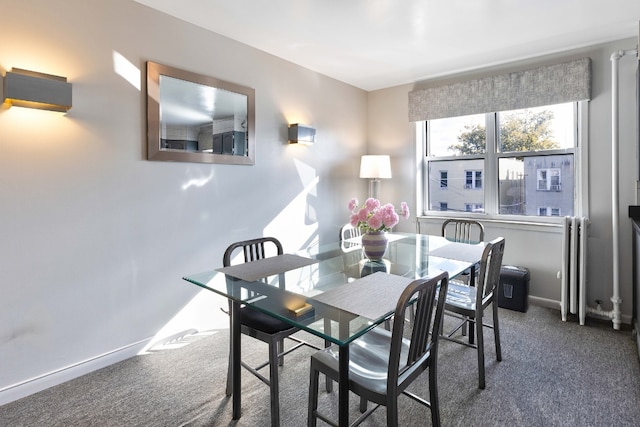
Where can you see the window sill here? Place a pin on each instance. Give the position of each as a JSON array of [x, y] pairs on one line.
[[533, 223]]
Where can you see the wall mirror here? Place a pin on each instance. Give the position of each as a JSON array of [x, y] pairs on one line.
[[196, 118]]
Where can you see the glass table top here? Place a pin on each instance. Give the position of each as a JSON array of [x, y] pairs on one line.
[[332, 290]]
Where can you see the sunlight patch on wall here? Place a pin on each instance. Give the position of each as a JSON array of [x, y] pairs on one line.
[[199, 317], [297, 224], [198, 182], [125, 69]]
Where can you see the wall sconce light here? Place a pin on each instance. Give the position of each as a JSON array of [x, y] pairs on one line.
[[375, 168], [24, 88], [301, 134]]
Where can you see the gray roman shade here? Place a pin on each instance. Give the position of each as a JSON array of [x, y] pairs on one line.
[[548, 85]]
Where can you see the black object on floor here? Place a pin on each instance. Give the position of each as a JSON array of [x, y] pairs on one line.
[[514, 288]]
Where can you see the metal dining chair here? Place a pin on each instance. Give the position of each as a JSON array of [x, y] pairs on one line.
[[468, 304], [382, 363], [463, 230], [263, 327]]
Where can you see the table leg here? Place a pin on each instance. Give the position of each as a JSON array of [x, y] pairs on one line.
[[343, 386], [327, 343], [235, 359]]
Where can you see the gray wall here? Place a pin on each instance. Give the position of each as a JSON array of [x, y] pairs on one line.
[[95, 238], [539, 248]]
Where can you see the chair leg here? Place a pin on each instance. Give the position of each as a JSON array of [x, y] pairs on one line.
[[329, 385], [273, 383], [363, 405], [496, 330], [392, 412], [327, 343], [480, 345], [281, 350], [229, 389], [433, 394], [465, 328], [313, 397]]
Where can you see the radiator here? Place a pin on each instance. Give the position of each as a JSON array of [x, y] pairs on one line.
[[573, 298]]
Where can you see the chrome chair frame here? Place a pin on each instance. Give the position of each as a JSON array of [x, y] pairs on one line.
[[463, 230], [468, 303], [263, 327], [382, 363]]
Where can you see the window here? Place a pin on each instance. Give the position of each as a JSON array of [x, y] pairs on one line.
[[519, 162], [549, 179], [444, 179], [473, 207], [473, 179], [548, 211]]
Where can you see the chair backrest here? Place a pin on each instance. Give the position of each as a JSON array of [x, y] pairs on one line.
[[490, 265], [253, 249], [347, 232], [463, 230], [424, 335]]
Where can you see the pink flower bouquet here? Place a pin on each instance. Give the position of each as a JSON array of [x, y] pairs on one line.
[[373, 216]]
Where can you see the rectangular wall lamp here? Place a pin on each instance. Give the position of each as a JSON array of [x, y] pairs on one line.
[[301, 134], [24, 88]]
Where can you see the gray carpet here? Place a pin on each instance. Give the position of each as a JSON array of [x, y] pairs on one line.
[[552, 374]]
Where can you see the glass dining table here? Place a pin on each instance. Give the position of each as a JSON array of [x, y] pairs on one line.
[[332, 291]]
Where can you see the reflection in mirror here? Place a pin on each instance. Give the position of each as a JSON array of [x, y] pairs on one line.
[[196, 118]]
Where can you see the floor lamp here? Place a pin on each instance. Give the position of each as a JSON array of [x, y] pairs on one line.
[[375, 168]]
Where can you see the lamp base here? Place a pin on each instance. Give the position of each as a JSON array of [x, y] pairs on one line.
[[374, 184]]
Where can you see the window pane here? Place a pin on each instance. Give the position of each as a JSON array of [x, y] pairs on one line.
[[464, 190], [536, 185], [457, 136], [443, 179], [541, 128]]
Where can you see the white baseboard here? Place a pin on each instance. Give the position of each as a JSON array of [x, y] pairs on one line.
[[544, 302], [549, 303], [59, 376]]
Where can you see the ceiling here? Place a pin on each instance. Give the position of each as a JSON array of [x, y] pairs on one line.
[[374, 44]]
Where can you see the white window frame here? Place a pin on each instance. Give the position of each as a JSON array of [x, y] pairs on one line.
[[491, 202]]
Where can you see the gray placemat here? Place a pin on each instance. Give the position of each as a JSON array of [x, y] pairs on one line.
[[460, 251], [256, 270], [371, 296]]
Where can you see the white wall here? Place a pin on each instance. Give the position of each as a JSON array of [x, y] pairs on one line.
[[539, 248], [95, 238]]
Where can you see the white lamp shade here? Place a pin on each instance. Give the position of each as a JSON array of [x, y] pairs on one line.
[[375, 167]]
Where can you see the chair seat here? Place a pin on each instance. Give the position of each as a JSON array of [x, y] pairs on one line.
[[461, 296], [262, 322], [368, 359]]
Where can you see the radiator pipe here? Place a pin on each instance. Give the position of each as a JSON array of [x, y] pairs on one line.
[[615, 314]]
